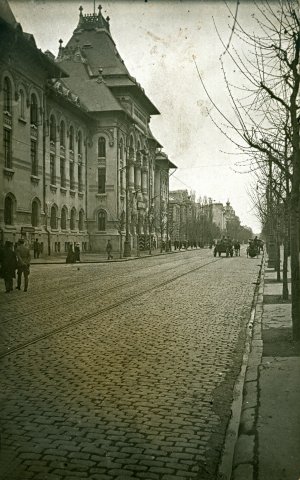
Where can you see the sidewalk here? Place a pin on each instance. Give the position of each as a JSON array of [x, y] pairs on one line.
[[99, 257], [268, 444]]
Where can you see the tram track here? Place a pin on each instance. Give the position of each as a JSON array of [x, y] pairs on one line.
[[95, 313], [92, 291]]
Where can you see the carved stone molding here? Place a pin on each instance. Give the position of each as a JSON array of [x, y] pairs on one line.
[[109, 132]]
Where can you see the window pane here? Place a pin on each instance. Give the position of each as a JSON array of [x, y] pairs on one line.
[[7, 148], [101, 221], [34, 214], [101, 147], [7, 95], [8, 211], [101, 180], [52, 170], [34, 161], [62, 173]]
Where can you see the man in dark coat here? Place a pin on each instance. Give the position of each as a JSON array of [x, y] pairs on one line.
[[8, 265], [24, 257]]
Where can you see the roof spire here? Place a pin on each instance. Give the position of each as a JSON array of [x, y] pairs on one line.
[[80, 10], [99, 8]]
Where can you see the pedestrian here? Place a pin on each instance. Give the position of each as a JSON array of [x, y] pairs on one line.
[[36, 249], [109, 250], [8, 260], [77, 252], [71, 255], [23, 256]]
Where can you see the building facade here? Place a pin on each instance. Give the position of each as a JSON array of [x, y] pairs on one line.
[[79, 162]]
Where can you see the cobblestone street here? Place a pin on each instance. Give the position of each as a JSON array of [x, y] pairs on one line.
[[122, 370]]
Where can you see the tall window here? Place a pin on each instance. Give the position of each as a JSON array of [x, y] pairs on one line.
[[71, 138], [81, 220], [80, 182], [33, 110], [34, 159], [8, 210], [62, 134], [53, 217], [72, 177], [62, 173], [7, 148], [7, 92], [52, 129], [79, 144], [35, 213], [102, 147], [101, 179], [63, 219], [102, 221], [22, 104], [73, 219], [52, 169]]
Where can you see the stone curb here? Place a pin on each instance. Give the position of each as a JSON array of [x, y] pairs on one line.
[[239, 440], [244, 460], [116, 260]]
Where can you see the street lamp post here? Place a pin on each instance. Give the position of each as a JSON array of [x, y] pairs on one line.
[[127, 246]]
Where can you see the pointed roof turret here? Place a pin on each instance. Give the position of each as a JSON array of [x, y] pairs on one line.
[[92, 21]]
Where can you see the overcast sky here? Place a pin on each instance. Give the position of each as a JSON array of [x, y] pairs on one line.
[[158, 41]]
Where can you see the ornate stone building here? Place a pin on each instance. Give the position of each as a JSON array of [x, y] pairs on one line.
[[79, 161]]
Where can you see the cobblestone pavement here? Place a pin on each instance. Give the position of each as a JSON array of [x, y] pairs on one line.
[[140, 385]]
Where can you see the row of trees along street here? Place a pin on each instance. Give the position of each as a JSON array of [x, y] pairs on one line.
[[261, 72]]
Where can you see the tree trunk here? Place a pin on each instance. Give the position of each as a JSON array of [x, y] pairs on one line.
[[278, 256], [285, 287], [295, 267]]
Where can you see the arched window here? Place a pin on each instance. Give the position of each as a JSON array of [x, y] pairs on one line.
[[79, 145], [81, 220], [53, 217], [8, 210], [73, 219], [62, 134], [35, 213], [7, 92], [52, 129], [63, 219], [102, 147], [22, 103], [102, 221], [33, 110], [71, 138]]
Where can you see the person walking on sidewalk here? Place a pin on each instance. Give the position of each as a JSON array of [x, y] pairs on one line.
[[36, 249], [109, 250], [23, 255], [8, 260]]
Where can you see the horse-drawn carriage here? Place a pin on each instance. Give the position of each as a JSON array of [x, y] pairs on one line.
[[223, 246], [253, 249]]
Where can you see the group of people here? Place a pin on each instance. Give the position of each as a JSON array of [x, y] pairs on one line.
[[14, 260], [73, 256]]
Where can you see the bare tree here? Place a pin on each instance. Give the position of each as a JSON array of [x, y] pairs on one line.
[[266, 109]]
